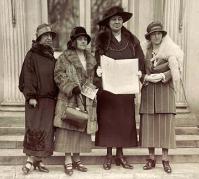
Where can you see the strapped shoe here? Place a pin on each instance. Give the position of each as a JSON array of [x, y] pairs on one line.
[[26, 169], [149, 164], [167, 167], [68, 168], [79, 166], [107, 163], [122, 161], [38, 164]]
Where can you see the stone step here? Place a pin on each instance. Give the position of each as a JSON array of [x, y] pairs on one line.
[[12, 131], [17, 119], [187, 130], [179, 171], [20, 131], [186, 120], [12, 122], [16, 142], [97, 156], [20, 122]]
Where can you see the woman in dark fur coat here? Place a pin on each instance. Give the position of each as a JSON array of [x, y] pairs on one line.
[[116, 113], [40, 91]]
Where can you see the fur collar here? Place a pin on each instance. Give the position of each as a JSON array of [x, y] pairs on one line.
[[103, 39], [73, 58], [167, 49], [43, 50]]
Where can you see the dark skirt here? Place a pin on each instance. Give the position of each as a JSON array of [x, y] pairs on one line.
[[158, 130], [39, 130], [116, 120]]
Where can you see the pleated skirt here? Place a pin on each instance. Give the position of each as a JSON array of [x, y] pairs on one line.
[[158, 130], [69, 141]]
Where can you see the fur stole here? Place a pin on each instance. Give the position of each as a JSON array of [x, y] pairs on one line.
[[170, 51]]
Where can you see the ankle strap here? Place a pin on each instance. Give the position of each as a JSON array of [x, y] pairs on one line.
[[31, 163], [68, 164]]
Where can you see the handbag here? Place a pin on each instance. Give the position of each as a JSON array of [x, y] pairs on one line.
[[75, 115]]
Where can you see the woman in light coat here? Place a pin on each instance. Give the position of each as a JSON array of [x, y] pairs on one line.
[[158, 107], [74, 67]]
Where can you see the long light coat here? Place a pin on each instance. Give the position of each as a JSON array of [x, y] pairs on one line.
[[69, 73]]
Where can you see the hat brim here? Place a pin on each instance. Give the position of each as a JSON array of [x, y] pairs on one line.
[[125, 16], [51, 32], [147, 36], [82, 34]]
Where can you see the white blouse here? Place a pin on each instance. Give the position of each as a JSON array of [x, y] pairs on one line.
[[82, 59]]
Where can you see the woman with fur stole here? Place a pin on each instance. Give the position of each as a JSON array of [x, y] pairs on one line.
[[163, 63]]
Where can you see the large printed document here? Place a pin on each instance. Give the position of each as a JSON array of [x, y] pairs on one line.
[[120, 76]]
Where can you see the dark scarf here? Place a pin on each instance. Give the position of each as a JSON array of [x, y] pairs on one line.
[[43, 50]]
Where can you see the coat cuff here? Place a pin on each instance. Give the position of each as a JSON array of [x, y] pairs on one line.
[[30, 96]]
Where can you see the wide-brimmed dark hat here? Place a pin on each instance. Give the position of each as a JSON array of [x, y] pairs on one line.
[[155, 27], [115, 11], [42, 29], [79, 31]]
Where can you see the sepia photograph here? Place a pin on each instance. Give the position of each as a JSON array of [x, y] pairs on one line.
[[99, 89]]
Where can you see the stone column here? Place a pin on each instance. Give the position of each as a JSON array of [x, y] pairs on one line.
[[13, 48], [85, 15], [174, 23]]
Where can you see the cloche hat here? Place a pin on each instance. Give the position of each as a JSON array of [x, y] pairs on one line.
[[155, 27], [42, 29], [79, 31]]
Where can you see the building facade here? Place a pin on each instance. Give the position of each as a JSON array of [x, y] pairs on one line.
[[19, 19]]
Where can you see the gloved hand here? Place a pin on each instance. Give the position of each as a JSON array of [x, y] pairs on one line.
[[33, 102], [99, 71], [139, 74], [76, 90], [154, 78]]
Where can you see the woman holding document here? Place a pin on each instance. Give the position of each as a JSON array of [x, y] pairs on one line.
[[116, 112], [158, 108], [74, 68]]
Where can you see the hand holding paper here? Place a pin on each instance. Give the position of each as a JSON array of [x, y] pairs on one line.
[[89, 90], [99, 71]]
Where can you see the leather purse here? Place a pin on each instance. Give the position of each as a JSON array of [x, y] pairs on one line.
[[75, 116]]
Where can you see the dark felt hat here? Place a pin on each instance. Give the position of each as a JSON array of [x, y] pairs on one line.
[[79, 31], [155, 27], [115, 11], [42, 29]]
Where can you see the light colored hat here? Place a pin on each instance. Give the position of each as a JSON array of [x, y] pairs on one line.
[[155, 26], [42, 29]]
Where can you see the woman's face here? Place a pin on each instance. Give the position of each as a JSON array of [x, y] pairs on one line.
[[81, 42], [116, 23], [46, 39], [156, 38]]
